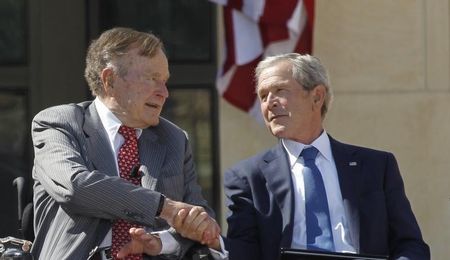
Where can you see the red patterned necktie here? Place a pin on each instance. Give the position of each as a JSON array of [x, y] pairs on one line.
[[127, 158]]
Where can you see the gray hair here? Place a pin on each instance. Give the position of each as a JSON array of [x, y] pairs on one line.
[[307, 70], [112, 44]]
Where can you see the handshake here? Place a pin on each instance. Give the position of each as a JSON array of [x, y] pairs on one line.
[[189, 221]]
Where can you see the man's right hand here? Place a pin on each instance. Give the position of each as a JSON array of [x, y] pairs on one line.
[[171, 208], [199, 226], [190, 221]]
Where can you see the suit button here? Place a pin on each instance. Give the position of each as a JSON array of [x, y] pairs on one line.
[[133, 215]]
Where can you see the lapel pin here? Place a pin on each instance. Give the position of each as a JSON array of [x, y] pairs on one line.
[[352, 163]]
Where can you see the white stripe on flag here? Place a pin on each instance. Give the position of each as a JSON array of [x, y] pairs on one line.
[[298, 19], [247, 38], [253, 9], [223, 81]]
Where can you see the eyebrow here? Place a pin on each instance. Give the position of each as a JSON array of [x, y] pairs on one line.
[[156, 74]]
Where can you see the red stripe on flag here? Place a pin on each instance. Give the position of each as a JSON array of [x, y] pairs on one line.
[[241, 89], [272, 22], [273, 33], [305, 42], [277, 12], [309, 6], [236, 4]]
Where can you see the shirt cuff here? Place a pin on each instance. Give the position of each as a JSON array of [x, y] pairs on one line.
[[169, 245], [219, 255]]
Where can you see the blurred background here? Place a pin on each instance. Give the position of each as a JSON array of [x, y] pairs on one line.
[[388, 61]]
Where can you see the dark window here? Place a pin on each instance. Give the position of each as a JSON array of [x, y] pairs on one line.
[[12, 32], [193, 110], [14, 141], [15, 146], [184, 25]]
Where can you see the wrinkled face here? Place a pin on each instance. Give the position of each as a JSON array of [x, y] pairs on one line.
[[137, 97], [289, 110]]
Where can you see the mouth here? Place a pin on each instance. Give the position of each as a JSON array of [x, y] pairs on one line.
[[153, 105], [273, 117]]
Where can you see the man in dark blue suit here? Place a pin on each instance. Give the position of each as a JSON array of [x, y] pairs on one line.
[[270, 196]]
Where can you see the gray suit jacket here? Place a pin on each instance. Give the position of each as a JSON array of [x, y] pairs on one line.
[[77, 191]]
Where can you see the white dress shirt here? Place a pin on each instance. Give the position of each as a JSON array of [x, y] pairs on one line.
[[325, 163]]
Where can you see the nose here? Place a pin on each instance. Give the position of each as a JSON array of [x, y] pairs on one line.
[[163, 90], [272, 100]]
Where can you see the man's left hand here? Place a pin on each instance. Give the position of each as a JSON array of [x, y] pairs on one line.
[[141, 243]]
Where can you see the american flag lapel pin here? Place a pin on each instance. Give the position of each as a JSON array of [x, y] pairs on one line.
[[352, 163]]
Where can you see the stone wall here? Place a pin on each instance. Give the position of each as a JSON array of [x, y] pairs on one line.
[[389, 67]]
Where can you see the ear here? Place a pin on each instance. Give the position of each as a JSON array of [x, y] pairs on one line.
[[318, 94], [107, 78]]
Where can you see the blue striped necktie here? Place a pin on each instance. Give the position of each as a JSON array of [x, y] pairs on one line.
[[318, 225]]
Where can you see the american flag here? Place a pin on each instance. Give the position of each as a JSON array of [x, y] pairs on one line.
[[254, 29]]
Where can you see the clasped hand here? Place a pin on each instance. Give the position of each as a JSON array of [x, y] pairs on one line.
[[192, 222], [197, 225], [189, 221]]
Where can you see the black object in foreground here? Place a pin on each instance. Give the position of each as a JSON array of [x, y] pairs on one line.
[[299, 254]]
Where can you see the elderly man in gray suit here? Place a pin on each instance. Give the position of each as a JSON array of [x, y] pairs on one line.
[[113, 164]]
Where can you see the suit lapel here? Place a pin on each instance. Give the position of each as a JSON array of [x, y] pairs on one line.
[[275, 168], [348, 167], [152, 154], [99, 152], [98, 146], [102, 156]]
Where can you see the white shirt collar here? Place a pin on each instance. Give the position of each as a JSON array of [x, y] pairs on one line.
[[110, 122], [322, 143]]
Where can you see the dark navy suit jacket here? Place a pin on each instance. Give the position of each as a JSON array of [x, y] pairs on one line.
[[261, 204]]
